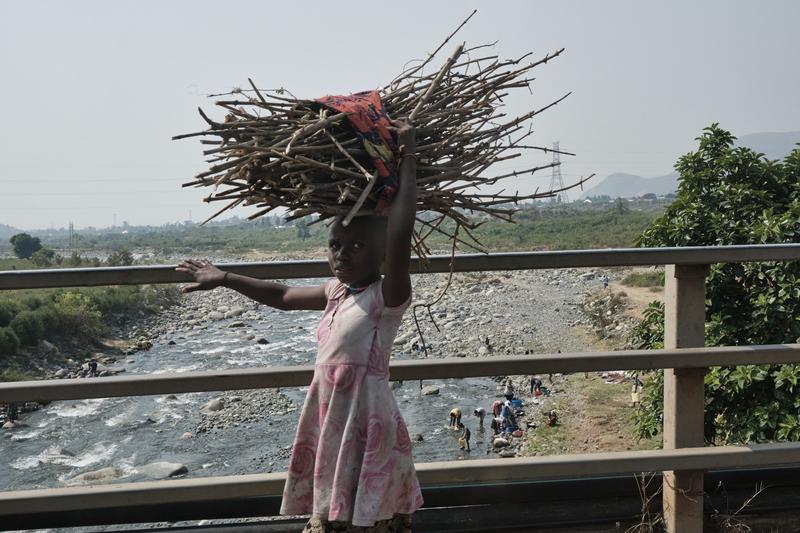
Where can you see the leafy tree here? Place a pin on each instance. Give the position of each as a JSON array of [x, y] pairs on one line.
[[121, 257], [25, 245], [44, 257], [731, 196]]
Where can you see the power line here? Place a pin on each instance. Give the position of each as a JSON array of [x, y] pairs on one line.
[[93, 208], [90, 193], [90, 180]]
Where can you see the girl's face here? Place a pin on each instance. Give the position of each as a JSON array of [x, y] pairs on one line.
[[355, 252]]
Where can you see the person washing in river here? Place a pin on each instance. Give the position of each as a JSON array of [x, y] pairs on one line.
[[508, 392], [496, 425], [508, 417], [463, 440], [480, 412], [351, 465], [536, 386], [455, 417], [497, 405]]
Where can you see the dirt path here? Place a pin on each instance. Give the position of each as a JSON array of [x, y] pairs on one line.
[[594, 409]]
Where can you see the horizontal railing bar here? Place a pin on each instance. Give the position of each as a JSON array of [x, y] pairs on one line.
[[557, 498], [134, 275], [438, 473], [450, 367]]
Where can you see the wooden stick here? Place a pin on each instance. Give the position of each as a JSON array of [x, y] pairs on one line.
[[361, 199], [436, 81]]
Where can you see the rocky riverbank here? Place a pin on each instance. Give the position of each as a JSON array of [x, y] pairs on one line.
[[480, 314]]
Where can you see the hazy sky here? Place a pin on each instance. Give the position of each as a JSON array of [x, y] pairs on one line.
[[92, 91]]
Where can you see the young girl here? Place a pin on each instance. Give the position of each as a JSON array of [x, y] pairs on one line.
[[351, 465]]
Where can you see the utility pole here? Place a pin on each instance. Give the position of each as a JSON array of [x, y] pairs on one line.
[[73, 239], [556, 181]]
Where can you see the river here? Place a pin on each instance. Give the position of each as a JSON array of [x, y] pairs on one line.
[[67, 438]]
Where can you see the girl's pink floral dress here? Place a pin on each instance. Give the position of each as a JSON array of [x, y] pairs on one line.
[[351, 459]]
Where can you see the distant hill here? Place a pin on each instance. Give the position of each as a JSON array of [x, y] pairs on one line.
[[6, 232], [629, 185], [774, 145]]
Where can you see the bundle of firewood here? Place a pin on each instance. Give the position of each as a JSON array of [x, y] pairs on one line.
[[275, 151]]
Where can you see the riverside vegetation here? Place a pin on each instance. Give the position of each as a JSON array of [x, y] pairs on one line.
[[36, 325], [732, 196], [539, 226], [34, 322]]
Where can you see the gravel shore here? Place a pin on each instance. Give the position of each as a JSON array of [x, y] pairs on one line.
[[480, 314]]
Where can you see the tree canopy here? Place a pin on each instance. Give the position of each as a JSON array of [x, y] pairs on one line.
[[25, 245], [732, 195]]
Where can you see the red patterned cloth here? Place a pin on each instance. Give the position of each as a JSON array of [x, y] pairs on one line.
[[366, 114]]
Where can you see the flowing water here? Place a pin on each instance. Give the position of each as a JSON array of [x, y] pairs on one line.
[[67, 438]]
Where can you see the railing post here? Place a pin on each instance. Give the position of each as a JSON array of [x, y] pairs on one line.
[[684, 325]]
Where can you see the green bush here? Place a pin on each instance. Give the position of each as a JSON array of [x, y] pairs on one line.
[[15, 374], [45, 257], [644, 279], [52, 321], [28, 326], [32, 301], [116, 299], [79, 314], [8, 310], [9, 342]]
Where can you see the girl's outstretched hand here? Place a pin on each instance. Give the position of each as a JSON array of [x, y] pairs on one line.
[[206, 275]]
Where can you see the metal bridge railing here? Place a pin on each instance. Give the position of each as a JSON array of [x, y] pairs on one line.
[[685, 361]]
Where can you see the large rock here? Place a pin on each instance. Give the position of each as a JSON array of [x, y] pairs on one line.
[[236, 311], [215, 315], [144, 343], [400, 339], [212, 406], [96, 476], [429, 390], [162, 470], [499, 442]]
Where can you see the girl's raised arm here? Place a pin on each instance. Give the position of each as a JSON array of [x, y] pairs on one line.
[[277, 295], [397, 281]]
